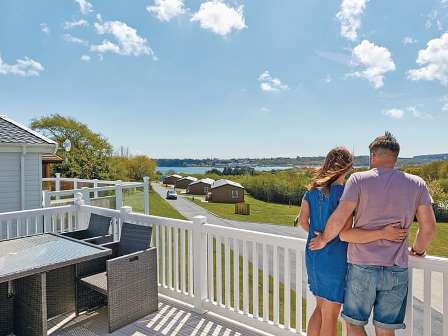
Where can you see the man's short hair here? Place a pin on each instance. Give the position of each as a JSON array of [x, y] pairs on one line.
[[386, 142]]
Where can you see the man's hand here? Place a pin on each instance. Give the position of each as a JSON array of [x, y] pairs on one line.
[[394, 233], [317, 243]]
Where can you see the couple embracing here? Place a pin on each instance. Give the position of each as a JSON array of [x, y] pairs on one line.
[[357, 250]]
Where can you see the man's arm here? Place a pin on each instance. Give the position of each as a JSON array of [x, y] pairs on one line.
[[426, 228], [334, 225]]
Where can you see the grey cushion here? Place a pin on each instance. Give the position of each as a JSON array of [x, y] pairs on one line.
[[98, 225], [134, 238]]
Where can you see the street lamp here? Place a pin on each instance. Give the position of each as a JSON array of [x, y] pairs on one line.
[[67, 146]]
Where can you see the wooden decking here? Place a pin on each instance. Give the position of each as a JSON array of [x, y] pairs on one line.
[[172, 319]]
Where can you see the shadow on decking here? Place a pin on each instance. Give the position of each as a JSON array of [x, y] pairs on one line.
[[171, 319]]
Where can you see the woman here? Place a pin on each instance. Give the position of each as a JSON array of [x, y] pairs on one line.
[[327, 267]]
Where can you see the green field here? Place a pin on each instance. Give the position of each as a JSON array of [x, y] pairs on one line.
[[439, 246], [265, 212], [262, 212], [157, 205]]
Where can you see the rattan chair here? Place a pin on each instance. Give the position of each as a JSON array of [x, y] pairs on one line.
[[127, 281], [97, 232]]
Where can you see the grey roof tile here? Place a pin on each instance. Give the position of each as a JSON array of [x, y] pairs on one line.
[[13, 133]]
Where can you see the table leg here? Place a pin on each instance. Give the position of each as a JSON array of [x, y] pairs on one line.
[[6, 310], [30, 306]]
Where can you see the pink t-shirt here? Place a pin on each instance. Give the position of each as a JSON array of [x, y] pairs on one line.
[[383, 196]]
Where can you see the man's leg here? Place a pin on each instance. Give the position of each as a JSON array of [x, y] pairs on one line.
[[354, 330], [384, 332], [315, 321], [390, 305], [330, 313], [360, 294]]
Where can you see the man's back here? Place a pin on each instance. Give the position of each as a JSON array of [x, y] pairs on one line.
[[384, 196]]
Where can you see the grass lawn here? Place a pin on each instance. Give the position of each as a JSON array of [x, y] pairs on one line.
[[284, 215], [439, 246], [157, 205], [262, 212]]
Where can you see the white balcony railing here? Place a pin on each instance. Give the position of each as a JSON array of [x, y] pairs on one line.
[[247, 276], [63, 190]]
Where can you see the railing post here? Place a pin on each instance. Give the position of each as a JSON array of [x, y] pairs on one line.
[[95, 185], [75, 183], [82, 216], [199, 267], [46, 199], [124, 212], [57, 183], [86, 195], [118, 195], [146, 194]]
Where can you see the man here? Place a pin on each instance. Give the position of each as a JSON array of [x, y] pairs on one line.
[[377, 277]]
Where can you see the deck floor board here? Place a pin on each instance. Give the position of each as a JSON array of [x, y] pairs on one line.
[[171, 319]]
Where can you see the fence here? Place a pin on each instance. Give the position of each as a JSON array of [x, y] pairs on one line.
[[91, 191], [255, 278]]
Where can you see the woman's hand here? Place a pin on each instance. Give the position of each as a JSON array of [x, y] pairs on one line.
[[317, 243], [393, 232]]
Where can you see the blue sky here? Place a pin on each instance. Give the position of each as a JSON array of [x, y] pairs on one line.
[[233, 78]]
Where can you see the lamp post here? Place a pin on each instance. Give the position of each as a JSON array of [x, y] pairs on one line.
[[67, 146]]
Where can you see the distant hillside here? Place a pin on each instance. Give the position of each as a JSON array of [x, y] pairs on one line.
[[300, 161]]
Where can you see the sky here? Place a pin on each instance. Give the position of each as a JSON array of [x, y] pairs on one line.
[[232, 78]]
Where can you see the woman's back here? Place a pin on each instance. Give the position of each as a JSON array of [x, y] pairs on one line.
[[322, 206], [326, 267]]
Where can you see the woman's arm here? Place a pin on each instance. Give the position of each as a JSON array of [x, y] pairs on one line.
[[391, 232], [303, 218]]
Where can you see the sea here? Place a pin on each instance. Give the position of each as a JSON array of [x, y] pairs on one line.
[[203, 170]]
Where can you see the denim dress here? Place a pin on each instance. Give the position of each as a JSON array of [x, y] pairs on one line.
[[326, 268]]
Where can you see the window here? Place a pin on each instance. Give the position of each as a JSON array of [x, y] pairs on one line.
[[206, 189], [234, 193]]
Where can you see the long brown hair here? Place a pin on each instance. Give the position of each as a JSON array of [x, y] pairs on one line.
[[339, 161]]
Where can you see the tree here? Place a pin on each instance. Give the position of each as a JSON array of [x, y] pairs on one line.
[[90, 151], [140, 166]]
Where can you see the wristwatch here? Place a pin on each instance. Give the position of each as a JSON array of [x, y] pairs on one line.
[[418, 254]]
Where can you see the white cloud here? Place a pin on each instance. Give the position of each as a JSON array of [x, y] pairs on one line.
[[165, 10], [74, 24], [84, 6], [409, 40], [25, 67], [444, 101], [328, 79], [376, 60], [44, 28], [219, 18], [419, 114], [433, 61], [433, 18], [76, 40], [265, 109], [85, 58], [394, 113], [270, 84], [350, 17], [335, 57], [128, 42]]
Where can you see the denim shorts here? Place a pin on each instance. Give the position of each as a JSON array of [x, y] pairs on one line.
[[381, 288]]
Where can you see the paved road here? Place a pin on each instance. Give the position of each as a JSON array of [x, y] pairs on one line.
[[190, 209]]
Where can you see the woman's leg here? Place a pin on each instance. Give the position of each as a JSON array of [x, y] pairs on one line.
[[315, 321], [330, 313]]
